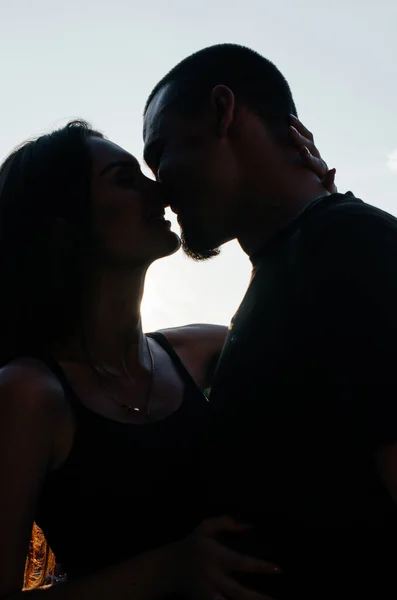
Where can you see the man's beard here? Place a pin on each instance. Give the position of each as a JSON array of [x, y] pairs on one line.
[[196, 247]]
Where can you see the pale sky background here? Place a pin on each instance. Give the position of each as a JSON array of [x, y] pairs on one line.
[[99, 60]]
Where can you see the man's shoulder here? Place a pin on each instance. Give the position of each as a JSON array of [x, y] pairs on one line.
[[342, 222], [338, 210], [336, 218]]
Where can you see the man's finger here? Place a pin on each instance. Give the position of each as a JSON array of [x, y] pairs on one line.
[[234, 591], [210, 527], [234, 561]]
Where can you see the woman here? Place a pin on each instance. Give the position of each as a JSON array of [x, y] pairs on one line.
[[98, 420]]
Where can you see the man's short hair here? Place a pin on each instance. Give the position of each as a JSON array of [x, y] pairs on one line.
[[255, 81]]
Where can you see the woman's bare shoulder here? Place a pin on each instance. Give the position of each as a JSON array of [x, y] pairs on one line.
[[197, 333], [29, 390], [30, 376], [32, 402]]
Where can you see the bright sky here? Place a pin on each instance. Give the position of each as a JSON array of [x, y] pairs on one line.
[[99, 60]]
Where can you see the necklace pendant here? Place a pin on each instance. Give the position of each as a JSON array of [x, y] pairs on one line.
[[132, 408], [100, 371]]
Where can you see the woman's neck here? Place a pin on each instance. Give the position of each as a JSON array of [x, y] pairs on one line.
[[112, 333]]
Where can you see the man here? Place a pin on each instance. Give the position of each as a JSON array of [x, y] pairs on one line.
[[304, 436]]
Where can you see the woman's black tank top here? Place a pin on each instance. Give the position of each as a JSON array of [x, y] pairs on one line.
[[124, 488]]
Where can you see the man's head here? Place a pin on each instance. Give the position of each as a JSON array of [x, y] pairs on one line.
[[215, 133]]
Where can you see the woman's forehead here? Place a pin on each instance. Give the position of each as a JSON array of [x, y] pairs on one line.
[[105, 152]]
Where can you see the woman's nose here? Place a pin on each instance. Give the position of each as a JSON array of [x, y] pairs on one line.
[[157, 193]]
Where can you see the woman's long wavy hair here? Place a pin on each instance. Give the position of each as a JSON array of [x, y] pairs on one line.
[[44, 190]]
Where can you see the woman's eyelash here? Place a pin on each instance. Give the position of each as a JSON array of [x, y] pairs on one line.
[[127, 176]]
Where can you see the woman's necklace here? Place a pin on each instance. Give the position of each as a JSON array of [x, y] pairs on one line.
[[101, 372]]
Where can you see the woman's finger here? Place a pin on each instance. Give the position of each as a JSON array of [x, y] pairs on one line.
[[234, 591], [311, 157], [299, 126], [314, 163], [301, 141], [329, 181], [320, 168], [234, 561]]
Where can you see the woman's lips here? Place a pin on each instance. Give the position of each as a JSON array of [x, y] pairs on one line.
[[160, 220]]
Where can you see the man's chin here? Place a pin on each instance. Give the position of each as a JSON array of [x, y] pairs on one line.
[[196, 250]]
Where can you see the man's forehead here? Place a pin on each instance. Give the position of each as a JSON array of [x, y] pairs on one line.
[[159, 116]]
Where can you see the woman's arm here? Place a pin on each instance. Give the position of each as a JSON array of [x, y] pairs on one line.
[[32, 419], [144, 577], [199, 346], [32, 411]]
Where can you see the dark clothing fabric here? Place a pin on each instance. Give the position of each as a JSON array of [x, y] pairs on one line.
[[305, 392], [124, 489]]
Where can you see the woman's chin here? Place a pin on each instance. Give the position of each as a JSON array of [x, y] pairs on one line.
[[169, 247]]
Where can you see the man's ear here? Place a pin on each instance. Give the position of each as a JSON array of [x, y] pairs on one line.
[[223, 103]]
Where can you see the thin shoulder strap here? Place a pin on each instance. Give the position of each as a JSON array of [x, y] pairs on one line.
[[161, 339], [59, 373]]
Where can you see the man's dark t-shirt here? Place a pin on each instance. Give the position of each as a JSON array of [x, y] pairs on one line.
[[304, 395]]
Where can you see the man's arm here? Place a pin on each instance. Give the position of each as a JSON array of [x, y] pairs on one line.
[[353, 275]]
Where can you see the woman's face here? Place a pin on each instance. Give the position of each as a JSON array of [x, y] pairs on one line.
[[128, 208]]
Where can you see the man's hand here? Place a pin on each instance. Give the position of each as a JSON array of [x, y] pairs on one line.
[[303, 139], [386, 461], [207, 566]]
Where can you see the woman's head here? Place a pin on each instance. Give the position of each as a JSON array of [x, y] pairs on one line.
[[70, 203], [127, 210]]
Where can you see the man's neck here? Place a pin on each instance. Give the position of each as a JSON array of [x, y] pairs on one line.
[[264, 222]]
